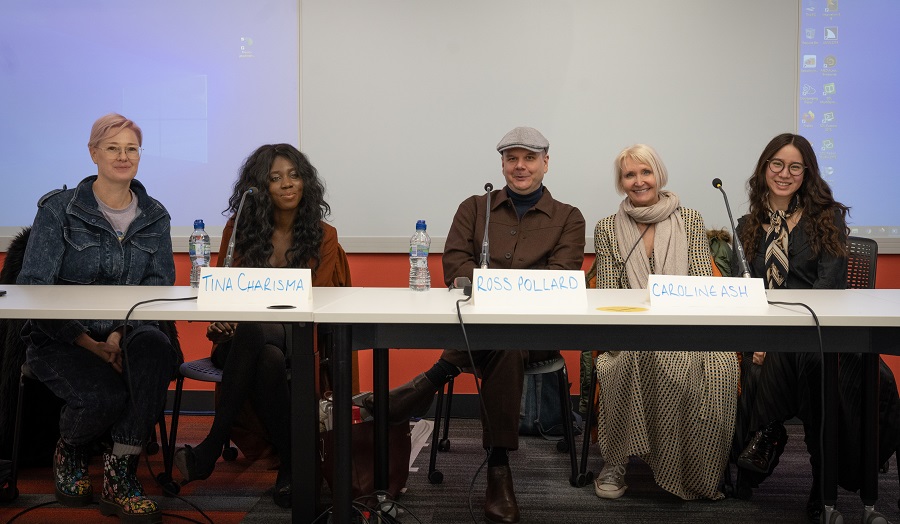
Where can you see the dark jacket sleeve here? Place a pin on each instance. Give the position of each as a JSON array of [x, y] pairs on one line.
[[41, 266]]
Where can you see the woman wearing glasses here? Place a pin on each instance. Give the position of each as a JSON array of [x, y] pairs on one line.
[[795, 237], [105, 231]]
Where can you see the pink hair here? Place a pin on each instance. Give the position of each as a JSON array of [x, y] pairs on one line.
[[111, 125]]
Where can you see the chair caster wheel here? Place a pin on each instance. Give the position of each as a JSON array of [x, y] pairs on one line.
[[435, 477], [444, 444], [583, 479], [152, 448], [870, 516], [170, 487], [8, 495], [562, 446], [832, 516], [229, 453]]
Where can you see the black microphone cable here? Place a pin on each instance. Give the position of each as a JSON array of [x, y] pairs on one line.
[[822, 407], [487, 419], [630, 251], [123, 346]]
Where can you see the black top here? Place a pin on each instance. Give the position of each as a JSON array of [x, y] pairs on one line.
[[805, 271]]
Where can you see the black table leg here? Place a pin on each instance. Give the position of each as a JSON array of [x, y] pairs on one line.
[[304, 421], [830, 436], [380, 377], [870, 376], [343, 382]]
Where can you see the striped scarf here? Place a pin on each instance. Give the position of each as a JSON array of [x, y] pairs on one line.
[[777, 245]]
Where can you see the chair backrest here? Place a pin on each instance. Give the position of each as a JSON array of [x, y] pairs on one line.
[[861, 263]]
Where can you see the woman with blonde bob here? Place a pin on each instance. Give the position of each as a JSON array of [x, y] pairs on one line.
[[673, 409]]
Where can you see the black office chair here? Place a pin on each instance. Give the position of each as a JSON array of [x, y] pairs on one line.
[[861, 263], [442, 416], [204, 371]]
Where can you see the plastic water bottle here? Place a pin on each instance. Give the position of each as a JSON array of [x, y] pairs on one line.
[[419, 245], [198, 246]]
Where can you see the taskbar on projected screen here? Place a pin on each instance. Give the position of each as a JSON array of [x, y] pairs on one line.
[[876, 231]]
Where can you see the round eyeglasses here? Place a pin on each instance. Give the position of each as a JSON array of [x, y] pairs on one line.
[[131, 152], [794, 168]]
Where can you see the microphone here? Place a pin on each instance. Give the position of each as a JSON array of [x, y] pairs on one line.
[[739, 248], [234, 229], [485, 243]]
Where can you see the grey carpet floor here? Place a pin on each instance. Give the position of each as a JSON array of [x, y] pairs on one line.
[[545, 496]]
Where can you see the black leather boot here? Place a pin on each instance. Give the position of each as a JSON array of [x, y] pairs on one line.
[[762, 453]]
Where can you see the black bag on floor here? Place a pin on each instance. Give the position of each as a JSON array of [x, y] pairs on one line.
[[540, 412]]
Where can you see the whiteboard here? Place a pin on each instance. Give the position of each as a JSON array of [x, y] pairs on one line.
[[403, 102]]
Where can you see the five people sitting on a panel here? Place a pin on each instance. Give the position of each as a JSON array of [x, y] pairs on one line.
[[681, 412]]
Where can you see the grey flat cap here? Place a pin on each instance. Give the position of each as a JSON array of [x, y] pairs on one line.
[[525, 137]]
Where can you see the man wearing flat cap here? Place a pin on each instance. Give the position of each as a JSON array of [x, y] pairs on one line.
[[528, 230]]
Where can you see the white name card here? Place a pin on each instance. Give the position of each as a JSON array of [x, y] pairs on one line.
[[506, 290], [709, 292], [228, 287]]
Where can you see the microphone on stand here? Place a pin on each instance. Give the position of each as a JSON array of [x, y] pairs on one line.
[[485, 244], [739, 249], [234, 229]]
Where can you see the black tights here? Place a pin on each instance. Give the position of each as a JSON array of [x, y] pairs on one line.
[[253, 367]]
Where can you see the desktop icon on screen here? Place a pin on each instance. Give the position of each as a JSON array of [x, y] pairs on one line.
[[830, 61], [810, 33], [808, 90], [831, 33], [246, 47], [827, 144], [808, 117], [828, 88], [809, 61], [828, 117], [831, 6]]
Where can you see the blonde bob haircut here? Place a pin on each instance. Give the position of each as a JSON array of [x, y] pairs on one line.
[[642, 154]]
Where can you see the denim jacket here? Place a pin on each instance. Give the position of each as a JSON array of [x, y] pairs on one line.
[[73, 243]]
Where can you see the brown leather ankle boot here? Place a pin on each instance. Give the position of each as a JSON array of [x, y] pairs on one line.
[[409, 400], [500, 504]]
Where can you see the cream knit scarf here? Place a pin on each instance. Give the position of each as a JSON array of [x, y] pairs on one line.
[[670, 248]]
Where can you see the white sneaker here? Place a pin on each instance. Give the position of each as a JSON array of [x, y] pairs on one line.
[[610, 483]]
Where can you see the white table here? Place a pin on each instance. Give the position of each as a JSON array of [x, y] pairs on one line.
[[866, 321], [113, 302]]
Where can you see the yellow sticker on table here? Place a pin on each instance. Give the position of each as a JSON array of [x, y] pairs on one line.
[[622, 309]]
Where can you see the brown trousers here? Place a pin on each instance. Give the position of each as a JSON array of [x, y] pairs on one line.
[[502, 376]]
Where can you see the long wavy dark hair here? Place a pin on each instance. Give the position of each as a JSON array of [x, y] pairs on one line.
[[816, 200], [253, 240]]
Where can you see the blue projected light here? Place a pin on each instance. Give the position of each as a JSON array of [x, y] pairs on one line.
[[848, 105], [206, 86]]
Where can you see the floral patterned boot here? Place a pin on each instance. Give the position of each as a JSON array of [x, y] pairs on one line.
[[70, 471], [123, 494]]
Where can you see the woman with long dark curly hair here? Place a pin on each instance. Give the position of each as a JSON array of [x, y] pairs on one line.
[[795, 237], [787, 190], [282, 226]]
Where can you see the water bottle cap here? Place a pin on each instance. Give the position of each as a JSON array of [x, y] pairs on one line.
[[420, 225], [198, 224]]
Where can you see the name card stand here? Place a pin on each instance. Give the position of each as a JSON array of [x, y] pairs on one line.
[[532, 290], [676, 291], [233, 287]]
